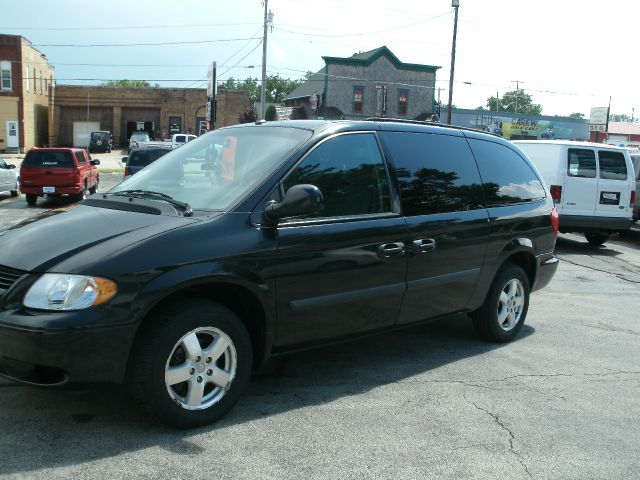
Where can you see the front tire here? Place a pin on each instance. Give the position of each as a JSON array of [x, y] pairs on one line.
[[190, 365], [596, 239], [31, 199], [504, 310]]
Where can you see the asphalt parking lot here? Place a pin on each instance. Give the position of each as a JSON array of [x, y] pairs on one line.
[[560, 402]]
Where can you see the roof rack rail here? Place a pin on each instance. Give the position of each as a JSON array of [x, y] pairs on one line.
[[424, 122]]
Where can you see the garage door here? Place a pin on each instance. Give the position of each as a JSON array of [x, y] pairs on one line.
[[82, 132]]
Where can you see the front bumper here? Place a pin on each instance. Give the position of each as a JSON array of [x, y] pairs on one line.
[[66, 347]]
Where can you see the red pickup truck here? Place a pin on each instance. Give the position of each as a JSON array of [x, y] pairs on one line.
[[58, 171]]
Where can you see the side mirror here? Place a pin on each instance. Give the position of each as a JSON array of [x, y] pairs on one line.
[[299, 200], [94, 162], [10, 166], [125, 159]]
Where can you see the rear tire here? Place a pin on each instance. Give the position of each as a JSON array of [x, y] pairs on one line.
[[596, 239], [505, 308], [31, 199], [82, 195], [190, 365]]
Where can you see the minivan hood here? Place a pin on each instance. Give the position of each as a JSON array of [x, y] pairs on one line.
[[41, 242]]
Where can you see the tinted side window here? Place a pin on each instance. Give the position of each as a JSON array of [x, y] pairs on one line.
[[80, 159], [612, 165], [436, 173], [581, 163], [506, 176], [350, 173]]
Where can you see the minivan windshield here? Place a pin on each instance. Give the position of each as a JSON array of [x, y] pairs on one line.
[[216, 170]]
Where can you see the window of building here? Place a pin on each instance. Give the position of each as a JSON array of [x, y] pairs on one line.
[[506, 176], [46, 86], [41, 83], [436, 173], [35, 81], [581, 163], [5, 75], [350, 173], [358, 97], [403, 98], [27, 77], [612, 165]]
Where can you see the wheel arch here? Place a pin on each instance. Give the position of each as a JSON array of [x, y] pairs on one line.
[[238, 298]]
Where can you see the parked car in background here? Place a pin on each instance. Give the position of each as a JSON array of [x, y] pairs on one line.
[[141, 157], [58, 171], [100, 142], [305, 233], [138, 138], [178, 139], [592, 184], [9, 182]]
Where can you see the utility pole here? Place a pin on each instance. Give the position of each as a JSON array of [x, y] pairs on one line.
[[517, 82], [455, 4], [268, 19]]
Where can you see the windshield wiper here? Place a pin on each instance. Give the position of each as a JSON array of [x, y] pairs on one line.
[[185, 207]]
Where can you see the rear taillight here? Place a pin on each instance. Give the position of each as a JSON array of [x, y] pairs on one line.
[[556, 193], [126, 171], [632, 202], [555, 220]]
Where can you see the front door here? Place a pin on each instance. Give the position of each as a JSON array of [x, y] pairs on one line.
[[341, 271], [12, 134]]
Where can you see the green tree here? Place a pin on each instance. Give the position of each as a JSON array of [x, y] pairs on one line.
[[620, 117], [276, 88], [577, 115], [271, 114], [129, 84], [508, 103]]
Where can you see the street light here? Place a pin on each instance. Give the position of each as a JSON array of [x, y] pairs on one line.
[[455, 4]]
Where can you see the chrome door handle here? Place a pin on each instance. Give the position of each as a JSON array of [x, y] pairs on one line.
[[423, 245], [391, 249]]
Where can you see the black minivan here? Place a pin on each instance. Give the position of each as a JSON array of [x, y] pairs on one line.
[[260, 239]]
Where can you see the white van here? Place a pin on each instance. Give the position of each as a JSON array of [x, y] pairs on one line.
[[635, 158], [592, 184]]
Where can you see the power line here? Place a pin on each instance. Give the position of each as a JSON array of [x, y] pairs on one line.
[[200, 65], [132, 27], [366, 33], [250, 52], [88, 45]]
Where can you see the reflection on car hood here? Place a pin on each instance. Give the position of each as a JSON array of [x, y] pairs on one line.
[[42, 242]]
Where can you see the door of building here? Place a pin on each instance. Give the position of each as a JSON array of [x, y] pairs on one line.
[[381, 100], [12, 134]]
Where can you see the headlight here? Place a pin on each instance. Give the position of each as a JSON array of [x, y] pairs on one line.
[[57, 291]]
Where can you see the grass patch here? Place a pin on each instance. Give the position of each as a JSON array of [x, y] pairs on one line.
[[112, 170]]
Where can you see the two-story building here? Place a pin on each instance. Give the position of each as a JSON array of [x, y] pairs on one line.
[[367, 84], [25, 78]]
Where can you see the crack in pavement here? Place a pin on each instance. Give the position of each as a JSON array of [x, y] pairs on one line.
[[618, 275], [612, 328], [506, 429]]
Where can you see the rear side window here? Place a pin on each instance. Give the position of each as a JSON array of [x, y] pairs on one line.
[[612, 165], [581, 163], [350, 173], [142, 158], [436, 173], [180, 138], [40, 158], [506, 176], [80, 158]]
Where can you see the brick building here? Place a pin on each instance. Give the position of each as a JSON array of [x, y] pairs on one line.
[[26, 80], [160, 111], [367, 84]]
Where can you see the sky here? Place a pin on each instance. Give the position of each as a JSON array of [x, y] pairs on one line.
[[568, 55]]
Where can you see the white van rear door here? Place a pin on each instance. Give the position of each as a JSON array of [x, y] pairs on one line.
[[614, 184], [581, 183]]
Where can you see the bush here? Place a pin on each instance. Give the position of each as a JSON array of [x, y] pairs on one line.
[[270, 115]]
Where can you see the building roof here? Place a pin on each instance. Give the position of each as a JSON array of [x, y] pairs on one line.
[[367, 58], [624, 128], [315, 84]]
